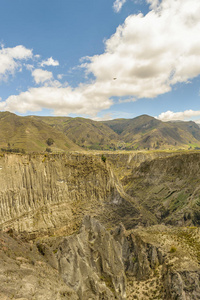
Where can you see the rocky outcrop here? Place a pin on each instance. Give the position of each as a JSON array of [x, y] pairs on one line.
[[26, 273], [50, 193], [141, 258], [182, 285], [168, 187], [163, 260], [91, 263], [157, 262]]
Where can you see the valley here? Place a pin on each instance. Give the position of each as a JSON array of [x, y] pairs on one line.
[[130, 218]]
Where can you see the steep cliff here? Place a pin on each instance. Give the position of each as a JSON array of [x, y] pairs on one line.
[[91, 263], [43, 194], [156, 262], [162, 263], [168, 187]]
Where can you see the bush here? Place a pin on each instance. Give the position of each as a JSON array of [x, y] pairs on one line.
[[49, 141], [103, 158], [48, 150], [173, 249]]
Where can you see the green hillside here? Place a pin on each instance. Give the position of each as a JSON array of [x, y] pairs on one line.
[[86, 133], [29, 134], [144, 132]]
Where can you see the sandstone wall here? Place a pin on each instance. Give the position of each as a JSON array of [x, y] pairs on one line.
[[39, 192]]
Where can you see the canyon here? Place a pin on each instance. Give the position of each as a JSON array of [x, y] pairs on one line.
[[100, 225]]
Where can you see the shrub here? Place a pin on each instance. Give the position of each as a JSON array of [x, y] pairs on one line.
[[48, 150], [103, 158], [173, 249], [49, 141]]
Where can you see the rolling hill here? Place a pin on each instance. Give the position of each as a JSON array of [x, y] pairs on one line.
[[145, 132], [141, 133], [28, 134], [86, 133]]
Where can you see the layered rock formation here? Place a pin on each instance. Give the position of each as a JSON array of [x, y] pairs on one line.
[[157, 262], [44, 198], [91, 263], [45, 193], [51, 193]]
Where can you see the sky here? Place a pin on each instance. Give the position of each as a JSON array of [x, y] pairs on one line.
[[100, 59]]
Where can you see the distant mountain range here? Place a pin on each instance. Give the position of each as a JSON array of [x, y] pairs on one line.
[[31, 133]]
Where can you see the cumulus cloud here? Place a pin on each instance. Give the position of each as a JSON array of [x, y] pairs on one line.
[[50, 62], [62, 100], [10, 59], [117, 5], [153, 3], [182, 115], [147, 55], [60, 76], [40, 76], [105, 117]]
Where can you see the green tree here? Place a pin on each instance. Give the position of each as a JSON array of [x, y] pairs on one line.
[[103, 158], [49, 141]]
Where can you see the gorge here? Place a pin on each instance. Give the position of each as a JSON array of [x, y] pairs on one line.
[[127, 225]]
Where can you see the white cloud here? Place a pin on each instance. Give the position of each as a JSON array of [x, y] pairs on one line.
[[127, 100], [147, 54], [10, 59], [40, 76], [49, 62], [60, 76], [105, 117], [84, 100], [29, 67], [182, 115], [153, 3], [117, 5]]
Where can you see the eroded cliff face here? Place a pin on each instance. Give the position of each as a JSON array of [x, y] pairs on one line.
[[156, 262], [162, 263], [168, 187], [91, 263], [42, 193], [44, 198]]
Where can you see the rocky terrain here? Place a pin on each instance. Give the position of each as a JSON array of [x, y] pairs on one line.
[[100, 225], [157, 262]]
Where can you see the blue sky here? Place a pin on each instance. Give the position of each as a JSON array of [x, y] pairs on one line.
[[101, 59]]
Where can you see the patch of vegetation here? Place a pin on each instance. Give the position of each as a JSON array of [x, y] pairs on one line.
[[173, 249], [48, 150], [108, 281], [197, 217], [134, 259], [191, 241], [49, 141], [178, 202], [103, 158], [13, 150]]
